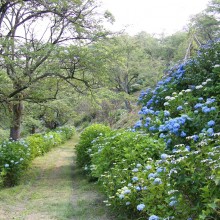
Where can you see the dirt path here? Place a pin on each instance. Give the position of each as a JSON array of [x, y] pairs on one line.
[[53, 190]]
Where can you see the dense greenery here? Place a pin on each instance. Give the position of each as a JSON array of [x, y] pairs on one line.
[[76, 73], [168, 166], [16, 156], [42, 46], [85, 143]]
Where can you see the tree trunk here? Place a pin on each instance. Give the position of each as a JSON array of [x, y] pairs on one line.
[[128, 105], [33, 129], [15, 129]]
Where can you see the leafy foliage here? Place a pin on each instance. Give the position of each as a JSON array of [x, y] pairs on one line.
[[85, 143], [167, 167], [16, 156]]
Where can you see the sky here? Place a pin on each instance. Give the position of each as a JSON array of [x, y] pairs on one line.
[[152, 16]]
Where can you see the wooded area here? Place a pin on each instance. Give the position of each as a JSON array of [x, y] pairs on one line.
[[59, 65]]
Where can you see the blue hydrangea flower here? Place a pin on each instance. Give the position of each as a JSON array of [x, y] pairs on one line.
[[169, 141], [176, 125], [195, 137], [206, 109], [138, 188], [198, 105], [210, 132], [147, 111], [151, 175], [148, 119], [127, 191], [166, 113], [140, 207], [213, 108], [187, 148], [153, 217], [148, 167], [210, 101], [179, 108], [182, 134], [146, 124], [156, 112], [162, 135], [211, 123], [152, 128], [134, 179], [135, 170], [163, 156], [160, 169], [138, 124], [173, 203], [157, 181]]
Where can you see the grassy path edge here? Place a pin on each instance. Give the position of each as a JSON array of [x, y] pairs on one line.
[[54, 189]]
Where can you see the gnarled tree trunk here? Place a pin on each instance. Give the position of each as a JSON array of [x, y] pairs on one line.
[[16, 111]]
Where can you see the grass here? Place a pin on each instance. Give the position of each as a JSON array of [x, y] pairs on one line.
[[54, 189]]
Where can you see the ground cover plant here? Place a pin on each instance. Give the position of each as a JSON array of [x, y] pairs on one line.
[[16, 156], [168, 165]]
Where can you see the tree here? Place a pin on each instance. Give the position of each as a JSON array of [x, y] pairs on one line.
[[214, 8], [135, 61], [34, 35], [129, 63], [206, 24]]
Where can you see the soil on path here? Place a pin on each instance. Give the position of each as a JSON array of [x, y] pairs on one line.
[[54, 189]]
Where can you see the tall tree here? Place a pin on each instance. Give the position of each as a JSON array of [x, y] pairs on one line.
[[32, 49], [206, 24]]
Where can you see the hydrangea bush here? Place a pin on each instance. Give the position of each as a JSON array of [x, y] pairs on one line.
[[85, 143], [16, 156], [168, 167]]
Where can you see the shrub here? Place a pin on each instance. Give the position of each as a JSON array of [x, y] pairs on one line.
[[139, 175], [122, 146], [85, 143], [3, 134], [52, 139], [194, 178], [37, 145], [66, 132], [118, 160], [16, 156]]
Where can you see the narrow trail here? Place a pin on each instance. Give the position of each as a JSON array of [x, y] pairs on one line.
[[53, 189]]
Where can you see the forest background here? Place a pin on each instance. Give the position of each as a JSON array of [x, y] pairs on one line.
[[72, 71]]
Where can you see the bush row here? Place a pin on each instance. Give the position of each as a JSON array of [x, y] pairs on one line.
[[138, 174], [16, 156], [168, 166]]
